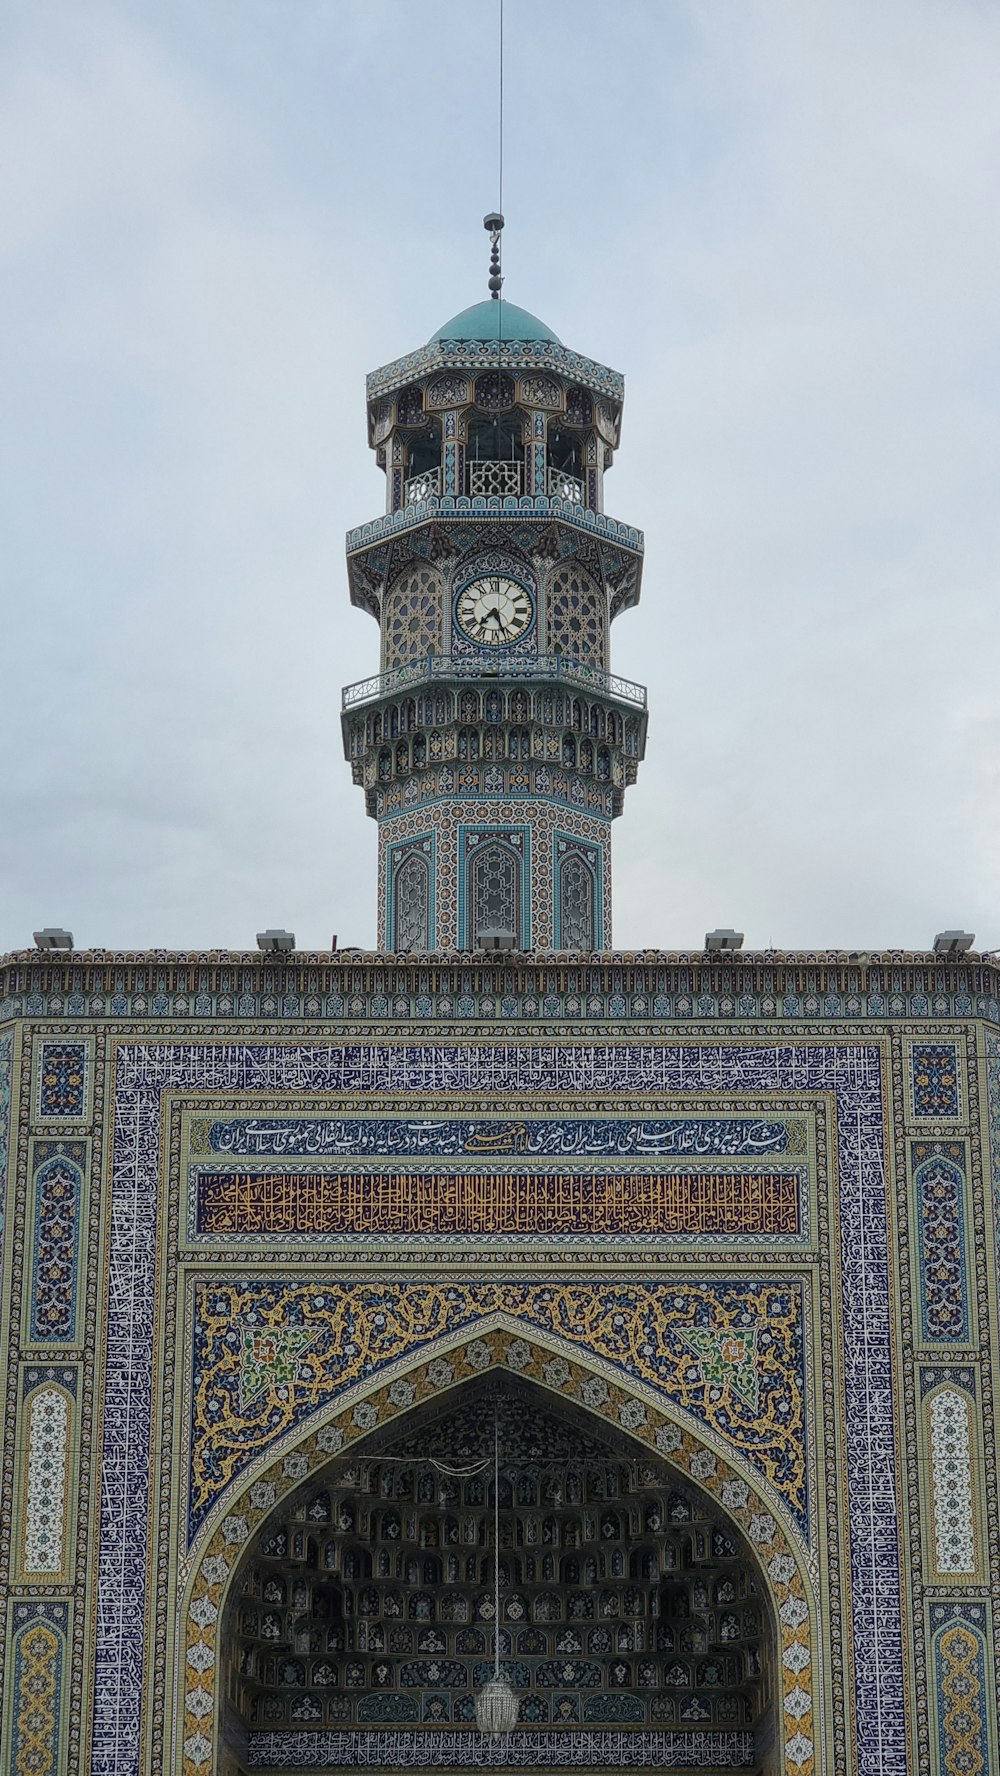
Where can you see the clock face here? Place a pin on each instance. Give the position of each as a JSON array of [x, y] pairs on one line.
[[493, 611]]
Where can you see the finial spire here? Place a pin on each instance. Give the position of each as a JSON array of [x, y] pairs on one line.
[[494, 222]]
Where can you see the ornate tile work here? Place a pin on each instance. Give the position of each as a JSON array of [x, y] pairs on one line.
[[648, 1331], [411, 618], [38, 1644], [940, 1202], [47, 1410], [62, 1081], [851, 1071], [270, 1359], [58, 1197], [456, 823], [951, 1483], [935, 1080], [577, 615], [508, 1068], [522, 354], [962, 1684], [728, 1360], [651, 988]]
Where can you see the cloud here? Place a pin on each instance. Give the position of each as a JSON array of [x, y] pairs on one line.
[[777, 219]]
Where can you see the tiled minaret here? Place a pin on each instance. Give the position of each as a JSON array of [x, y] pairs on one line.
[[494, 746]]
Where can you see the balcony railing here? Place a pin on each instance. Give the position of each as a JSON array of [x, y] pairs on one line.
[[561, 485], [572, 672], [501, 478], [423, 486]]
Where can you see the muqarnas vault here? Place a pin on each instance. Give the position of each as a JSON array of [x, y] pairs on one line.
[[372, 1322]]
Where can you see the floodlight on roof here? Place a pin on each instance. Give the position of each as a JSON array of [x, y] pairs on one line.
[[953, 943], [722, 941], [52, 937], [495, 940], [276, 940]]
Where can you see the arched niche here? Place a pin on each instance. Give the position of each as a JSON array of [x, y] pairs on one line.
[[208, 1728]]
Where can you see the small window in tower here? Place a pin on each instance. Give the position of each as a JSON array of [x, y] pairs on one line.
[[494, 891], [494, 455], [565, 467], [423, 473], [576, 913], [413, 901]]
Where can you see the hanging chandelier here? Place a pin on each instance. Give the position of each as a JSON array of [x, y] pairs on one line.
[[496, 1703]]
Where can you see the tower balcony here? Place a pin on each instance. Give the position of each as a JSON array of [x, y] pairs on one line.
[[551, 728], [539, 669]]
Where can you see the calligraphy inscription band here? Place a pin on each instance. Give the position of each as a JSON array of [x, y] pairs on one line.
[[498, 1202], [555, 1137]]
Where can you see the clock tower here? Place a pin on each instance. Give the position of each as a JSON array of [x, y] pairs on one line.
[[495, 745]]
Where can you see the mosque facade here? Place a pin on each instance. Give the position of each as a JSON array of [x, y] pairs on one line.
[[497, 1305]]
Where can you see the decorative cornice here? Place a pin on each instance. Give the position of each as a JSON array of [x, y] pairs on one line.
[[762, 987], [394, 524], [521, 354]]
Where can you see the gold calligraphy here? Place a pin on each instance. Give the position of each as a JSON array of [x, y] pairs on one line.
[[437, 1202]]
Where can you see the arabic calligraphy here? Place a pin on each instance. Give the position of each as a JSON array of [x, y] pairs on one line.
[[435, 1202], [549, 1138]]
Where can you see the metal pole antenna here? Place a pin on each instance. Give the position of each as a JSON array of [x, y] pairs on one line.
[[500, 126]]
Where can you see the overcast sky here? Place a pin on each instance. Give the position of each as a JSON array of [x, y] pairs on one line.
[[779, 220]]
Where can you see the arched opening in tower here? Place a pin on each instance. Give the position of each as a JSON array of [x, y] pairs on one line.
[[634, 1625]]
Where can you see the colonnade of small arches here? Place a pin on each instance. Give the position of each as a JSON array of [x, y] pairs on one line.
[[457, 724]]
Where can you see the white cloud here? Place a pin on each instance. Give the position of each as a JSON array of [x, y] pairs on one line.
[[777, 219]]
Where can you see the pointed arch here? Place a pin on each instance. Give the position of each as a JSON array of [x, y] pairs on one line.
[[58, 1212], [563, 1369], [942, 1251]]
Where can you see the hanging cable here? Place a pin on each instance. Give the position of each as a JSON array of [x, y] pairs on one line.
[[496, 1514]]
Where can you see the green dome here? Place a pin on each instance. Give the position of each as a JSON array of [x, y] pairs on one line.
[[495, 320]]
